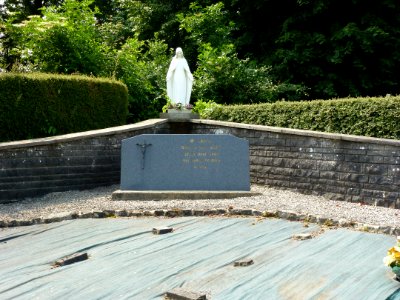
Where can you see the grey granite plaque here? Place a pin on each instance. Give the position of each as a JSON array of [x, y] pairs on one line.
[[186, 162]]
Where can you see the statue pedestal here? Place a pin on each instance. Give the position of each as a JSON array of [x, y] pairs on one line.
[[179, 115]]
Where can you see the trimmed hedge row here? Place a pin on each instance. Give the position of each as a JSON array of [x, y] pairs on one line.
[[39, 105], [374, 117]]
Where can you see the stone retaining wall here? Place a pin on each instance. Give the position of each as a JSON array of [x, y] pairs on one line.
[[70, 162], [340, 167]]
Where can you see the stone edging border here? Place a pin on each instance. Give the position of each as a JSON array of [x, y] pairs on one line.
[[171, 213]]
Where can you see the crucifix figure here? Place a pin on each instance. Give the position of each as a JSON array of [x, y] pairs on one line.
[[143, 147]]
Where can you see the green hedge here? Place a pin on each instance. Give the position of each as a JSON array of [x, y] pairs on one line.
[[38, 105], [375, 117]]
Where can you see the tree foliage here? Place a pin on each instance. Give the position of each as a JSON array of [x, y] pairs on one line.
[[68, 39], [144, 74], [221, 75], [64, 40], [239, 51], [336, 48]]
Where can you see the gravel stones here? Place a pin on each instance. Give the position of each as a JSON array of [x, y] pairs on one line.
[[271, 203]]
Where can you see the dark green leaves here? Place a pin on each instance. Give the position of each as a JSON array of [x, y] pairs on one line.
[[375, 117]]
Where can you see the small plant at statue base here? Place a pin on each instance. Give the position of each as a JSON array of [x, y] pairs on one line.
[[167, 105], [176, 106]]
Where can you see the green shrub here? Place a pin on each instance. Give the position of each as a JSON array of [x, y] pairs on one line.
[[375, 117], [203, 108], [63, 39], [221, 75], [224, 78], [144, 74], [38, 105]]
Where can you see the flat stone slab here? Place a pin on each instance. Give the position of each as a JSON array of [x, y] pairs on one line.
[[162, 230], [70, 259], [302, 236], [178, 116], [185, 195], [243, 263], [181, 294], [185, 162]]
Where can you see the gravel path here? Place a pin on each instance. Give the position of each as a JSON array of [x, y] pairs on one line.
[[274, 201]]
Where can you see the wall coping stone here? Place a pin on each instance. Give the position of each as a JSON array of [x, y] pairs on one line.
[[82, 135], [317, 134], [150, 123]]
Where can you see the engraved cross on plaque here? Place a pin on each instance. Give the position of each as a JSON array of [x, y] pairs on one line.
[[143, 147]]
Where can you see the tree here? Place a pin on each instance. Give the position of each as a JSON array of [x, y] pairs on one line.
[[64, 40], [144, 74], [336, 48], [341, 48], [220, 74], [259, 50]]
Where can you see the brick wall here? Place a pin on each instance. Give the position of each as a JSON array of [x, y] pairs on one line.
[[69, 162], [341, 167]]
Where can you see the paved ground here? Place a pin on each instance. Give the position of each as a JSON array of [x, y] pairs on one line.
[[127, 261]]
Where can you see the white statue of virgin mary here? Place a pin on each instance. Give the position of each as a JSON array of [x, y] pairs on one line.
[[179, 79]]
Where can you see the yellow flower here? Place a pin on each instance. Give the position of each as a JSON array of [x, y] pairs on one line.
[[388, 260], [395, 252], [393, 255]]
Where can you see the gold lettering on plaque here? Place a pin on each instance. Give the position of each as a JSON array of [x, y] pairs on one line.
[[200, 154]]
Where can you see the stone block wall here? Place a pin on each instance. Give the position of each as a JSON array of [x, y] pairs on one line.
[[340, 167], [70, 162]]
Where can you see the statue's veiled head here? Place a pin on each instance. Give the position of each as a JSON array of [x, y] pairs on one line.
[[179, 52]]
